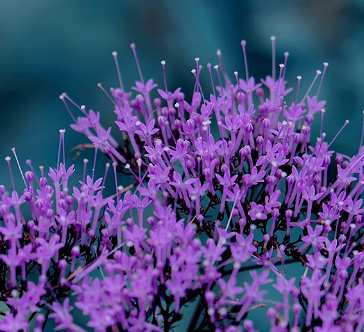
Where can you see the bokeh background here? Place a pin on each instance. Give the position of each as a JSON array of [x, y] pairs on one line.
[[51, 46]]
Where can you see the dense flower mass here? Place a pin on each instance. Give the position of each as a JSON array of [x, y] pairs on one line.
[[227, 190]]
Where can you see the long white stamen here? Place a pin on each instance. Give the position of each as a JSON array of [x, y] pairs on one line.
[[137, 62], [318, 73], [211, 79], [63, 99], [286, 55], [107, 166], [41, 169], [114, 164], [61, 148], [103, 90], [322, 78], [94, 163], [85, 162], [18, 164], [164, 71], [243, 47], [221, 65], [196, 73], [322, 121], [339, 132], [231, 214], [116, 62], [299, 79], [273, 40], [281, 70], [11, 175], [67, 97], [217, 69], [236, 74]]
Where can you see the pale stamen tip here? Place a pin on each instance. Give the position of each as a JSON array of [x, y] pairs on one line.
[[299, 77], [318, 72], [163, 62], [7, 158], [218, 52], [347, 122], [326, 64], [62, 96], [62, 131], [243, 43], [114, 54], [132, 45], [272, 38]]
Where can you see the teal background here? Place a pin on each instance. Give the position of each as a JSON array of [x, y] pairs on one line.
[[51, 46]]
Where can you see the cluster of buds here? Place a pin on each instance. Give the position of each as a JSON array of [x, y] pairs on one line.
[[225, 191]]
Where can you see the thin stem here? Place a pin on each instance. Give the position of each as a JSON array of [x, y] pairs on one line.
[[259, 266], [196, 315]]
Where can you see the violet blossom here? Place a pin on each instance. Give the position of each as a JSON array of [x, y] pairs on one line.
[[223, 192]]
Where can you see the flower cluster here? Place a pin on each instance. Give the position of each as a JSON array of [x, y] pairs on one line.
[[226, 191]]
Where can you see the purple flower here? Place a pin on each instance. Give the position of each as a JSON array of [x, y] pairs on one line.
[[63, 317], [257, 212], [243, 249], [12, 322], [146, 131], [214, 189], [145, 88]]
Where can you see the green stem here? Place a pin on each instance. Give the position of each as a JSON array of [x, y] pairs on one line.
[[196, 315]]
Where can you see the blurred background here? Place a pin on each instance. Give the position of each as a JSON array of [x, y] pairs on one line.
[[48, 47]]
